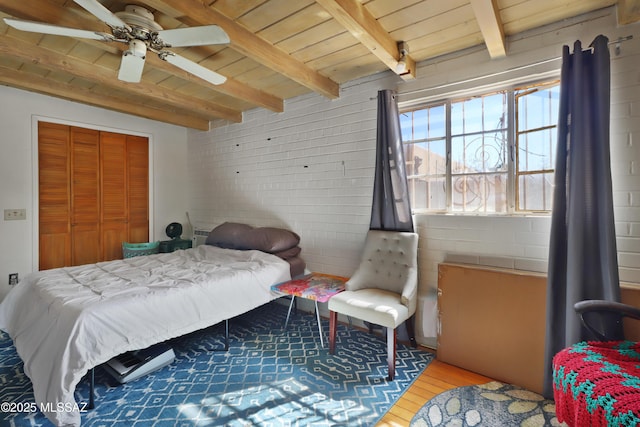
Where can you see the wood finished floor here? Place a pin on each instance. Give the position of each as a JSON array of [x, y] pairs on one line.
[[435, 379]]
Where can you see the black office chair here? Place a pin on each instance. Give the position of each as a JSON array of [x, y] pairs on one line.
[[604, 318]]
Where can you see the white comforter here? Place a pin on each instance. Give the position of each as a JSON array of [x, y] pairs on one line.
[[65, 321]]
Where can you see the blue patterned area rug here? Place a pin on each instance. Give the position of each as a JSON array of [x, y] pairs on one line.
[[268, 377]]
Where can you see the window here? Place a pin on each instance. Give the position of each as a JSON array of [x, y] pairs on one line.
[[536, 133], [492, 153]]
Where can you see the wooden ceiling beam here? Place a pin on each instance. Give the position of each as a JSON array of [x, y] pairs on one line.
[[628, 11], [248, 43], [488, 17], [91, 72], [18, 79], [54, 14], [353, 16]]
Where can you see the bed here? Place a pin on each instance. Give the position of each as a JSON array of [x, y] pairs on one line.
[[66, 321]]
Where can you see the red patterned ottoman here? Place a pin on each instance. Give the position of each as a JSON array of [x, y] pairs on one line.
[[598, 384]]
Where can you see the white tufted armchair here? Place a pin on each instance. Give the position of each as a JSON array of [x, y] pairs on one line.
[[383, 290]]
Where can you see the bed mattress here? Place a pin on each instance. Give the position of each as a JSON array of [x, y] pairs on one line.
[[65, 321]]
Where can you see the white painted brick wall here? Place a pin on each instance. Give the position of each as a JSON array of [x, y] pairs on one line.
[[625, 152], [310, 168]]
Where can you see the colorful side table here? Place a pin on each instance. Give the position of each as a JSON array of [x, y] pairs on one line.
[[318, 287]]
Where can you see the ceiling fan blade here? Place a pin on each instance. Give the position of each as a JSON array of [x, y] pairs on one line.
[[131, 67], [38, 27], [102, 13], [193, 68], [194, 36]]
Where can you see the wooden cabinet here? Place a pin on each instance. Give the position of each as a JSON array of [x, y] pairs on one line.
[[93, 194]]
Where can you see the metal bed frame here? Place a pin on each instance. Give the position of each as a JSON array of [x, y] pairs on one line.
[[91, 374]]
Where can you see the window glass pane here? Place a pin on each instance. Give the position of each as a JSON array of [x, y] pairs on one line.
[[437, 122], [408, 152], [495, 111], [554, 100], [426, 123], [406, 126], [473, 115], [458, 154], [414, 157], [438, 157], [536, 127], [420, 124], [538, 108], [479, 153], [527, 109], [535, 192], [537, 150], [426, 158], [456, 119], [466, 116], [479, 193], [427, 193]]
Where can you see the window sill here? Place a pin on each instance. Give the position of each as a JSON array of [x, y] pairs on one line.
[[490, 215]]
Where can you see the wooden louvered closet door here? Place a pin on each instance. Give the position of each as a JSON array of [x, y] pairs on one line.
[[113, 183], [138, 187], [54, 212], [93, 194], [85, 201]]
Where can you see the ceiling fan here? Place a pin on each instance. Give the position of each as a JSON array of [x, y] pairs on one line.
[[136, 27]]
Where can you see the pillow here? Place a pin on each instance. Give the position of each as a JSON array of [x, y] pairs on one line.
[[296, 266], [289, 253], [232, 235], [227, 235]]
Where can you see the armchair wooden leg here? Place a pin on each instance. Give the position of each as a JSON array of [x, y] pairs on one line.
[[333, 325], [391, 352], [409, 324]]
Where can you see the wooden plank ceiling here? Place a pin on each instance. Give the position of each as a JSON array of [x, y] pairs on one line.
[[279, 48]]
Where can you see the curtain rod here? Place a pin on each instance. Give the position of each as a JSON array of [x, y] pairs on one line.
[[509, 70], [618, 41]]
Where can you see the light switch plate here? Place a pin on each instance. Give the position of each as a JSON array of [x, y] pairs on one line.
[[15, 214]]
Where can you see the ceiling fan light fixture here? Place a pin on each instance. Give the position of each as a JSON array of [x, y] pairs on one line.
[[132, 63], [137, 48]]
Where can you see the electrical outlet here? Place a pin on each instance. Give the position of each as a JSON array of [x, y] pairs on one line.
[[13, 279], [15, 214]]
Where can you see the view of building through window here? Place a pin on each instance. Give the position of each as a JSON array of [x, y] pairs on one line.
[[492, 153]]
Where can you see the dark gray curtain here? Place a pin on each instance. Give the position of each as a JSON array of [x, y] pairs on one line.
[[582, 252], [391, 209]]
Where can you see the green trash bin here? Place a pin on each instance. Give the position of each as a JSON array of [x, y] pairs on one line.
[[129, 250]]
